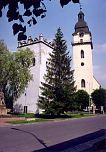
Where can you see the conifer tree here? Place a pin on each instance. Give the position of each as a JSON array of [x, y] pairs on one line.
[[58, 88]]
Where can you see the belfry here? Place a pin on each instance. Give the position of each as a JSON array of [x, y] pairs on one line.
[[82, 56]]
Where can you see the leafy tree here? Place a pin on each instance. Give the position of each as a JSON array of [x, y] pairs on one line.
[[4, 68], [59, 85], [32, 10], [15, 72], [81, 99], [99, 97]]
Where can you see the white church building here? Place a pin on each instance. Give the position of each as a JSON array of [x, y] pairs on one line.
[[82, 63]]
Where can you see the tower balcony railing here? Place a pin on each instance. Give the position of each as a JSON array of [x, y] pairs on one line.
[[82, 42]]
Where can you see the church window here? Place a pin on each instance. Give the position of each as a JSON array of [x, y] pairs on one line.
[[82, 63], [25, 109], [81, 40], [82, 83], [80, 16], [81, 34], [82, 54], [33, 61]]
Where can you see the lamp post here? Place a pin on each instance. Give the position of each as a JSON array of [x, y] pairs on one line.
[[89, 96], [25, 107], [89, 103]]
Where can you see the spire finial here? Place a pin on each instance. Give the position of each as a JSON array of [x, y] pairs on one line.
[[80, 6]]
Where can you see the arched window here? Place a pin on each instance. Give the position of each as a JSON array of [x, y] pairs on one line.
[[82, 54], [82, 83]]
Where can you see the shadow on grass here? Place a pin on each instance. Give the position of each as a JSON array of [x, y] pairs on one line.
[[45, 116]]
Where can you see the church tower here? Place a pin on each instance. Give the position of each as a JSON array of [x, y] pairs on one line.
[[82, 64], [82, 55]]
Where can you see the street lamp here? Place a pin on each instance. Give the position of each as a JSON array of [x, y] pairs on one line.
[[89, 103], [89, 96], [25, 107]]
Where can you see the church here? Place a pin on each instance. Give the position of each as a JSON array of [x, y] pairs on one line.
[[82, 47]]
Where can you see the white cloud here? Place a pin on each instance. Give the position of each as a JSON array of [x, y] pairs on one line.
[[96, 67], [100, 47], [100, 74]]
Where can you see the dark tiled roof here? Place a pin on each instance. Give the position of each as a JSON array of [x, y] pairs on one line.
[[81, 25]]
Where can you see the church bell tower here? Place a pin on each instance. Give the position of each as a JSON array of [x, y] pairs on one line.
[[82, 55]]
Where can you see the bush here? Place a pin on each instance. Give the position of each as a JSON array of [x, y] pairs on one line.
[[45, 116], [26, 115]]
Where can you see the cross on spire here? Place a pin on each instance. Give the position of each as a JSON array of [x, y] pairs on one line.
[[80, 6]]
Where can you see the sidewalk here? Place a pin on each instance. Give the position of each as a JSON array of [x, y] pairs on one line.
[[5, 121]]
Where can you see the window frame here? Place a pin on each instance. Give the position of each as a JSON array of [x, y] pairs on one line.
[[82, 54], [83, 83]]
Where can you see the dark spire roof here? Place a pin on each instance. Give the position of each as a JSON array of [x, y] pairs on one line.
[[81, 25]]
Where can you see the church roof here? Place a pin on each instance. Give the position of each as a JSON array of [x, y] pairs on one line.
[[30, 41], [81, 25]]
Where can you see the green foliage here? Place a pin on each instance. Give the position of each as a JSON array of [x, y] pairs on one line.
[[26, 115], [32, 9], [15, 72], [81, 99], [27, 121], [59, 85], [62, 117], [99, 97]]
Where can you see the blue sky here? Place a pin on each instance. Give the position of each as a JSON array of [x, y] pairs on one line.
[[65, 18]]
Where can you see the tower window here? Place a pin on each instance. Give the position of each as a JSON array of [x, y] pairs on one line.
[[81, 34], [81, 40], [80, 16], [82, 83], [33, 61], [82, 54], [82, 63]]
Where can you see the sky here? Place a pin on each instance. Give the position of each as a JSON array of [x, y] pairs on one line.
[[66, 18]]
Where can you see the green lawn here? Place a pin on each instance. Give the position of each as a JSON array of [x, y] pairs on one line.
[[26, 115], [70, 116], [27, 121]]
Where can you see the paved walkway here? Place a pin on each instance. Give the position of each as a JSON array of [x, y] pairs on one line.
[[5, 121]]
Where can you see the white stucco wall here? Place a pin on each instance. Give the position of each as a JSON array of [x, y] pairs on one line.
[[41, 52], [96, 84], [83, 72]]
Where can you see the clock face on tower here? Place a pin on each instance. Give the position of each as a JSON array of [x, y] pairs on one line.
[[81, 34]]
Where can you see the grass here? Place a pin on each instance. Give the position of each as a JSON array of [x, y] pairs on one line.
[[68, 116], [27, 121], [80, 115], [26, 115]]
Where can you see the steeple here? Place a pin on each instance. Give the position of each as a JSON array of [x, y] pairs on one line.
[[82, 55], [81, 25]]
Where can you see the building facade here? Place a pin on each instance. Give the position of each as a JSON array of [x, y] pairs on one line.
[[82, 63], [27, 102], [82, 56]]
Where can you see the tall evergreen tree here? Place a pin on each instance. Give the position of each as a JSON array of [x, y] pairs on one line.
[[58, 88]]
